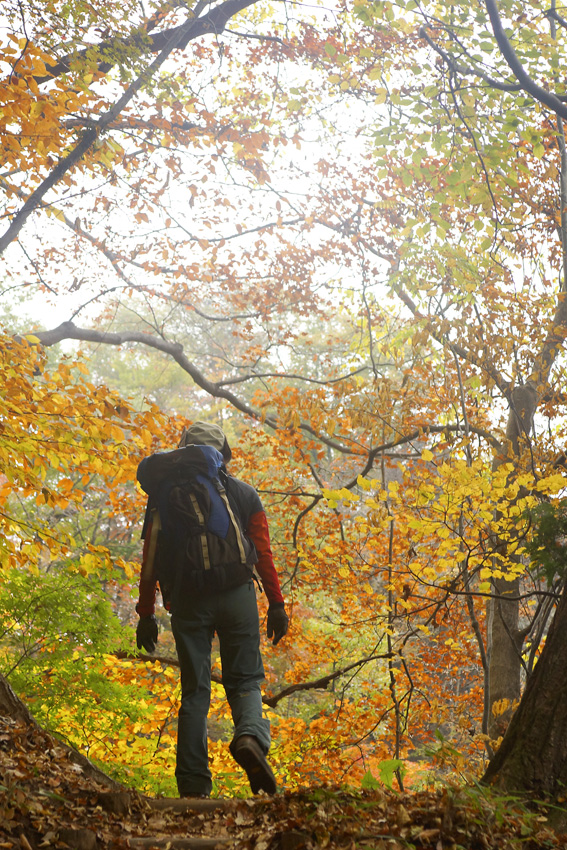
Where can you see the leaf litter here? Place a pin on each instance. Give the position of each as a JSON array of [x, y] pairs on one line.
[[47, 800]]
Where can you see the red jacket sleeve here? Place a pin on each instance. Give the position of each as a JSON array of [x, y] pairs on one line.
[[148, 585], [259, 534]]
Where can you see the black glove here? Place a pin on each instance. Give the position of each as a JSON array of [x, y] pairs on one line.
[[278, 622], [147, 633]]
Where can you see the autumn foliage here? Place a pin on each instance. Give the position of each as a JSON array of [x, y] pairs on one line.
[[342, 238]]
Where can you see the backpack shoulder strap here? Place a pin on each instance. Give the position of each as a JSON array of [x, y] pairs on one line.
[[238, 531], [202, 523]]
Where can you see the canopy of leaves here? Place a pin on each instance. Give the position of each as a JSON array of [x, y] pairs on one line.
[[346, 231]]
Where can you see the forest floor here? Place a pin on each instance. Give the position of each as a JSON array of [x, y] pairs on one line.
[[49, 799]]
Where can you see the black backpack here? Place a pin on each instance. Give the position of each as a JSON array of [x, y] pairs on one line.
[[201, 546]]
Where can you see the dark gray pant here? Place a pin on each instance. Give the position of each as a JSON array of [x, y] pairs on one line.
[[233, 615]]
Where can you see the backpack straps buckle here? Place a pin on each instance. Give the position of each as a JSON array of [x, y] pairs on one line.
[[204, 543]]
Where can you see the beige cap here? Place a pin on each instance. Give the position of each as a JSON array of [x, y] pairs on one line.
[[206, 434]]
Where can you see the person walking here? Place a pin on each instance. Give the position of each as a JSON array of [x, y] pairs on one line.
[[212, 596]]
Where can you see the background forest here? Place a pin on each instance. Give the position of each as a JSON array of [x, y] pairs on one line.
[[338, 231]]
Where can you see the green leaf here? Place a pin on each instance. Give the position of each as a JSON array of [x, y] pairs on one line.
[[388, 770], [369, 782]]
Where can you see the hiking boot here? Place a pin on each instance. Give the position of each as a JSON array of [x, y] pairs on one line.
[[247, 752]]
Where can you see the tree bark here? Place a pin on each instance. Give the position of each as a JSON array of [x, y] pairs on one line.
[[11, 706], [533, 753], [504, 636], [504, 652]]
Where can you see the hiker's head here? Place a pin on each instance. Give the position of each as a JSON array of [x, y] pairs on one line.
[[206, 434]]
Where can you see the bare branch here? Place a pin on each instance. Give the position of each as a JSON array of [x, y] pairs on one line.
[[415, 435], [67, 330], [317, 684], [322, 683], [301, 514], [530, 86], [270, 38], [553, 15], [290, 377], [465, 71]]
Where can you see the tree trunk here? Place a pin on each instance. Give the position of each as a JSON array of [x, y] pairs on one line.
[[504, 636], [11, 706], [533, 753], [504, 652]]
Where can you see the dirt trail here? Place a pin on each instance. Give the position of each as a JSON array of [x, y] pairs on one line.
[[51, 797]]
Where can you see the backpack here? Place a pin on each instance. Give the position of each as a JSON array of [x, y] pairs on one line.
[[201, 546]]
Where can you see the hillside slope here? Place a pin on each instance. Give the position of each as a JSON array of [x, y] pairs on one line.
[[51, 796]]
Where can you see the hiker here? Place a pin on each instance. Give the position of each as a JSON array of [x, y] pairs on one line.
[[206, 581]]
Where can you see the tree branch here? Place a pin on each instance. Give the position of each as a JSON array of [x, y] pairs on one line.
[[465, 71], [553, 15], [213, 22], [322, 683], [455, 347], [178, 37], [509, 54], [415, 435], [316, 684], [67, 330], [405, 298], [252, 375], [478, 152]]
